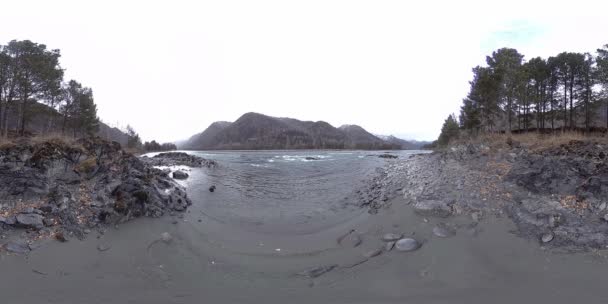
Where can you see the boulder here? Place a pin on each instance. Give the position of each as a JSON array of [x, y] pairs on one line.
[[407, 244], [180, 175], [30, 220]]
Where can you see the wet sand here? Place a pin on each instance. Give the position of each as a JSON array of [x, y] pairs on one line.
[[212, 261]]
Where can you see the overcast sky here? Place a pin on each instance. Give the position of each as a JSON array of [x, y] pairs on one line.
[[171, 68]]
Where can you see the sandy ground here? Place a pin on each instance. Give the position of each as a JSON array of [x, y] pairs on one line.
[[211, 261]]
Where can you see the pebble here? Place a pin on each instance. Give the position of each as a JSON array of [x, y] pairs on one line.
[[391, 237], [547, 237], [166, 237], [443, 231], [103, 247], [407, 244], [389, 246]]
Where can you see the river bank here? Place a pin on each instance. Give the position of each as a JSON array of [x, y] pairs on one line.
[[320, 233]]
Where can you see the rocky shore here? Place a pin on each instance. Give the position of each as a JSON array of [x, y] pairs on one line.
[[62, 189], [557, 195]]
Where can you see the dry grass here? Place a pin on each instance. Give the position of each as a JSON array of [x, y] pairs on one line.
[[532, 141]]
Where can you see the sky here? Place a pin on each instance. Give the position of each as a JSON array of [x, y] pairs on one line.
[[171, 68]]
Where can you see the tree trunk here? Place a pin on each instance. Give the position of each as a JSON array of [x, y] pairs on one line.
[[565, 104], [572, 124]]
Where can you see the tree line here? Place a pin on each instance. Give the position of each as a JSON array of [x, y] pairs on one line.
[[510, 94], [31, 73]]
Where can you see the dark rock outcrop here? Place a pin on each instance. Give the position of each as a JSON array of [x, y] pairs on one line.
[[56, 185], [179, 159]]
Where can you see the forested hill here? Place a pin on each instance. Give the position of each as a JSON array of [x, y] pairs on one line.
[[42, 119], [256, 131], [35, 99]]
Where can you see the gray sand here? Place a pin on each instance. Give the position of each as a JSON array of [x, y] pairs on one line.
[[213, 262]]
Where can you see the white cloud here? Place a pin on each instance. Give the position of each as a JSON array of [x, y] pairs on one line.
[[171, 68]]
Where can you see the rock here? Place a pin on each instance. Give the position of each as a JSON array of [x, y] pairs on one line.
[[48, 222], [605, 217], [433, 208], [17, 247], [389, 246], [443, 231], [11, 220], [180, 174], [30, 220], [317, 271], [311, 158], [103, 247], [212, 188], [60, 236], [602, 206], [179, 159], [386, 155], [391, 237], [547, 237], [372, 253], [407, 244], [166, 237]]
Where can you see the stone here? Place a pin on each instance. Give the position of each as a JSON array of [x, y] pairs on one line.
[[443, 231], [180, 175], [48, 222], [547, 237], [30, 220], [103, 247], [391, 237], [166, 237], [605, 217], [372, 253], [433, 208], [602, 206], [17, 247], [407, 244], [212, 188], [11, 220]]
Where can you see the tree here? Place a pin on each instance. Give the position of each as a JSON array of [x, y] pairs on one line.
[[449, 131], [34, 67], [79, 110], [134, 142], [602, 73], [505, 64]]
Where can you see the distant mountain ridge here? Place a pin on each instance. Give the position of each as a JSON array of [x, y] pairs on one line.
[[254, 131], [405, 144]]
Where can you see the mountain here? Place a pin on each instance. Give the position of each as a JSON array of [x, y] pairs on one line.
[[254, 131], [405, 144]]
